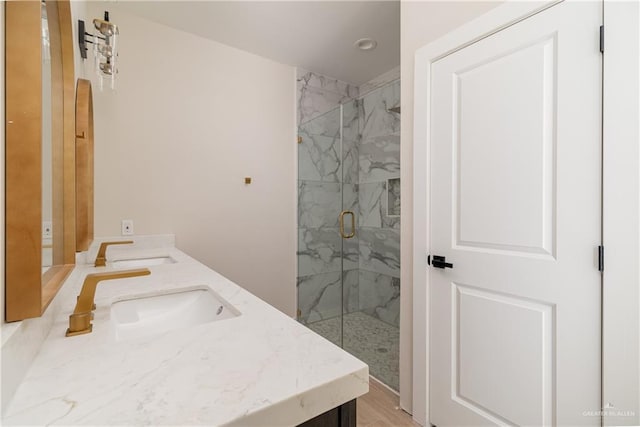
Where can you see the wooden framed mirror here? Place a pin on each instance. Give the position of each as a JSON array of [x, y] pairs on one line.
[[40, 154], [84, 165]]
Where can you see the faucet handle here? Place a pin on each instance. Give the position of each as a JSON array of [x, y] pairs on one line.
[[101, 258]]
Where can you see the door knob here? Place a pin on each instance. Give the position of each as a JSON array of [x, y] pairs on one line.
[[439, 262]]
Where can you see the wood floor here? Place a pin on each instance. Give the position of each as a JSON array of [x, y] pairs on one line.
[[380, 408]]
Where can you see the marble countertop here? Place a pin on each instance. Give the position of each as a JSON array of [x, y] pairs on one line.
[[261, 368]]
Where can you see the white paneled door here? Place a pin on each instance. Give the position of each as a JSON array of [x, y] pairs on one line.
[[515, 205]]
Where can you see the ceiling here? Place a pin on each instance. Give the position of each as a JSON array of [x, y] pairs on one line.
[[315, 35]]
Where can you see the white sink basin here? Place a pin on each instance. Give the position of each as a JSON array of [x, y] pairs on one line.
[[142, 262], [149, 315]]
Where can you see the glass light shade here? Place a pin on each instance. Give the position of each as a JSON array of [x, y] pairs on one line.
[[106, 28]]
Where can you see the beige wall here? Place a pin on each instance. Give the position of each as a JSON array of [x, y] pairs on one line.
[[422, 22], [189, 119]]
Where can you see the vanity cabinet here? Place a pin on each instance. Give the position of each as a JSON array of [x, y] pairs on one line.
[[342, 416]]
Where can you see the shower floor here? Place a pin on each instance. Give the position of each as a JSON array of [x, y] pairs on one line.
[[369, 339]]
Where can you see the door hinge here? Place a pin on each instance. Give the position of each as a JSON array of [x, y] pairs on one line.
[[600, 258], [601, 38]]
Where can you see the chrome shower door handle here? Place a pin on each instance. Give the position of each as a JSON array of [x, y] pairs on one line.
[[353, 224]]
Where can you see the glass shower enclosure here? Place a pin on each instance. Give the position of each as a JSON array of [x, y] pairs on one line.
[[348, 229]]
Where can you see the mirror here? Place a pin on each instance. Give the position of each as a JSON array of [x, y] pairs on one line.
[[52, 137], [47, 155], [39, 154]]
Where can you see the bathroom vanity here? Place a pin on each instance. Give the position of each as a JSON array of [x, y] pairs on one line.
[[182, 346]]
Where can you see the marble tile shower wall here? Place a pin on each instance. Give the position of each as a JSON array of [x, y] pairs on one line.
[[359, 176], [318, 94], [381, 80], [379, 204]]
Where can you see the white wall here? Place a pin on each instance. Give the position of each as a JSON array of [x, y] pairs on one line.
[[189, 119], [422, 22], [78, 11]]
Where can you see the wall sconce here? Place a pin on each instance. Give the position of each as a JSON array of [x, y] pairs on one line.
[[104, 47]]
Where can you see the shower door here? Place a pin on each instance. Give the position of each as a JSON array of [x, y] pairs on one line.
[[349, 228], [327, 240]]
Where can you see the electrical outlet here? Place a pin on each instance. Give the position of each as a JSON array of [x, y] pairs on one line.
[[47, 229], [127, 227]]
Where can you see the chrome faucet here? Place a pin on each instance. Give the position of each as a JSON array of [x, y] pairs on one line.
[[80, 319]]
